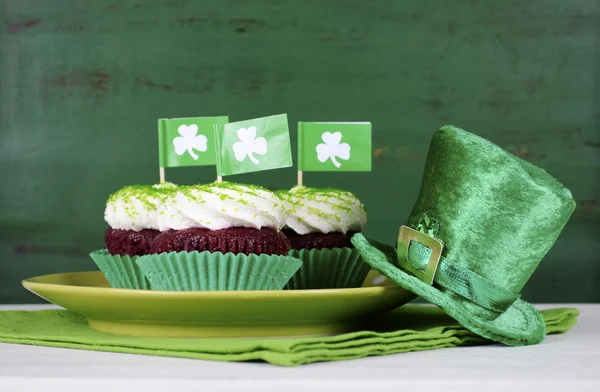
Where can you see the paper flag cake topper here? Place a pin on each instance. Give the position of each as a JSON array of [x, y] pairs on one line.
[[253, 145], [187, 141], [333, 146]]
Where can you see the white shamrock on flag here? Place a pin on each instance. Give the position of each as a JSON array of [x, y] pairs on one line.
[[249, 144], [333, 148], [189, 141]]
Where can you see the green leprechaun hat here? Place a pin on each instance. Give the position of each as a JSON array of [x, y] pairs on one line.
[[483, 221]]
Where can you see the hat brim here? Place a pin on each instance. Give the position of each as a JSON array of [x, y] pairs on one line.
[[519, 325]]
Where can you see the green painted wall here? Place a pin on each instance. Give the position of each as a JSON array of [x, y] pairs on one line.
[[83, 82]]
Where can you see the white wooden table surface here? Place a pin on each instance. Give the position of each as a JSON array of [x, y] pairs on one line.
[[568, 362]]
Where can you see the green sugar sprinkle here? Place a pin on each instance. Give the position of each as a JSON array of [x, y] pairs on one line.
[[300, 195], [149, 194], [246, 188], [164, 185], [143, 193], [317, 212], [310, 193], [215, 187]]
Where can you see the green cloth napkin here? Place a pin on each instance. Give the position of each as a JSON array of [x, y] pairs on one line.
[[410, 328]]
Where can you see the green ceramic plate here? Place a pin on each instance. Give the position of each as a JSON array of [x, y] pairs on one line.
[[215, 313]]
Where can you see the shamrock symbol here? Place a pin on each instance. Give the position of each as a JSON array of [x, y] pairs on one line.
[[189, 141], [333, 148], [249, 144]]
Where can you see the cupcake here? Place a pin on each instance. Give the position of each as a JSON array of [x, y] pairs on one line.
[[319, 225], [131, 213], [219, 236]]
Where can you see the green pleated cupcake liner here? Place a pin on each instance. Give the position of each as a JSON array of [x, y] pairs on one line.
[[206, 271], [121, 271], [328, 269]]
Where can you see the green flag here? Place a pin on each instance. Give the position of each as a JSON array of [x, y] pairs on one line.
[[334, 146], [187, 141], [253, 145]]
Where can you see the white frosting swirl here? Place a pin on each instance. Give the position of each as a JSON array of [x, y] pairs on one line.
[[317, 210], [219, 206], [135, 207]]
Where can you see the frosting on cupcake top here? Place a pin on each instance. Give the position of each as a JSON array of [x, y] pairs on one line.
[[135, 207], [322, 210], [221, 205]]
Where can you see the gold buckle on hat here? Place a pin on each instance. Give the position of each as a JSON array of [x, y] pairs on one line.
[[406, 235]]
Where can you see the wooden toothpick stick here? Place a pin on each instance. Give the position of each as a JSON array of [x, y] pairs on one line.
[[161, 172], [299, 178]]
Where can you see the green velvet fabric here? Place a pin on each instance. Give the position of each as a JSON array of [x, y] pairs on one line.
[[498, 216], [490, 204], [463, 281], [519, 325]]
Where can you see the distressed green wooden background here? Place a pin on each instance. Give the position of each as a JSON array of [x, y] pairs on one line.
[[83, 82]]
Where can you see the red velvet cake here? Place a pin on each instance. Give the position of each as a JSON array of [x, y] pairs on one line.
[[235, 240], [129, 242]]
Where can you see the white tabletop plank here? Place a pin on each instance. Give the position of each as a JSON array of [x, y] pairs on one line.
[[563, 362]]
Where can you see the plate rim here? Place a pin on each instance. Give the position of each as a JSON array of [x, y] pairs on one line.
[[31, 285]]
